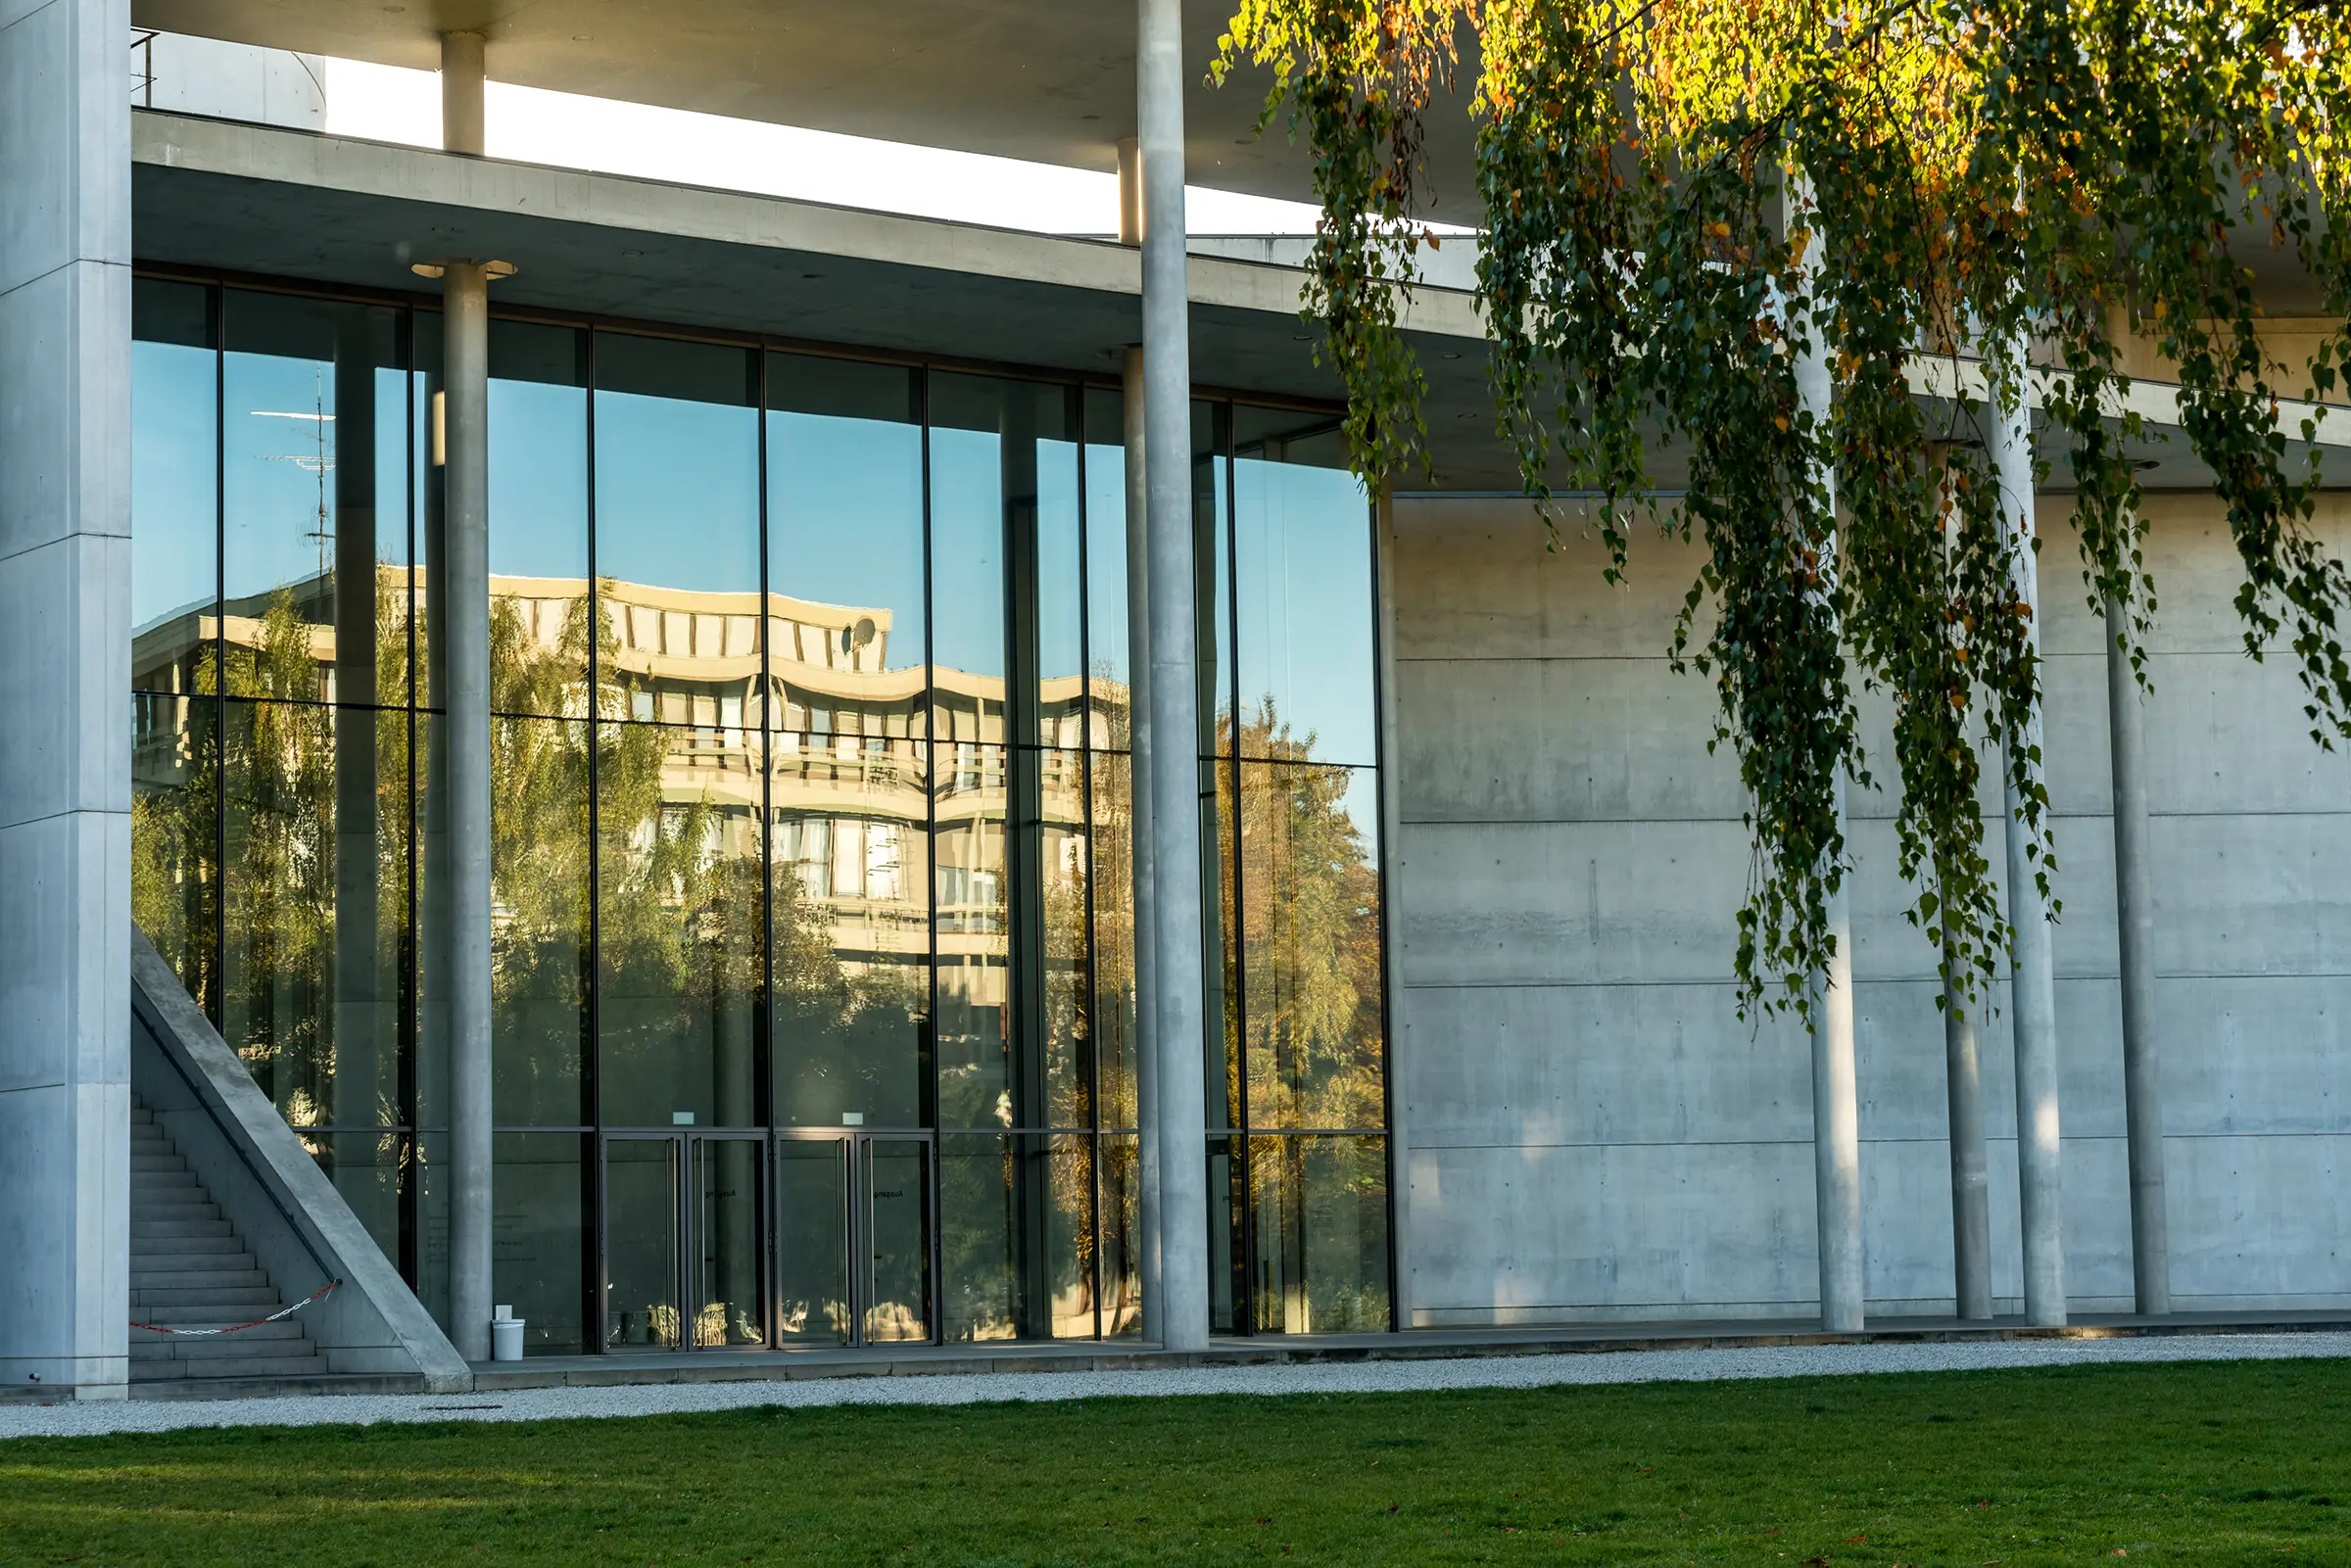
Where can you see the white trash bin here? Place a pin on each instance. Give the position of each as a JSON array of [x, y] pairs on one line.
[[506, 1336]]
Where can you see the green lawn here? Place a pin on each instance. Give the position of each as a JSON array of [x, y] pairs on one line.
[[2201, 1464]]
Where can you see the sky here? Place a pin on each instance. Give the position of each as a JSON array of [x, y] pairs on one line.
[[384, 102]]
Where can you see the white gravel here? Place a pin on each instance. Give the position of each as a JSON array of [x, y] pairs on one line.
[[1353, 1377]]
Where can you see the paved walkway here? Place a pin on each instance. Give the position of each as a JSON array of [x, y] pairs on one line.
[[1350, 1377]]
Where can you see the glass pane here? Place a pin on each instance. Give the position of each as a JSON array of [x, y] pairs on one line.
[[851, 877], [316, 897], [1212, 564], [1106, 626], [1228, 1263], [730, 1300], [539, 627], [174, 836], [315, 444], [1064, 1031], [1309, 940], [846, 523], [1112, 1018], [365, 1169], [1320, 1208], [429, 1172], [677, 526], [641, 1243], [1119, 1206], [681, 925], [1226, 1105], [812, 1242], [1017, 1214], [975, 1059], [175, 518], [1302, 535], [897, 1240], [539, 937], [538, 1190]]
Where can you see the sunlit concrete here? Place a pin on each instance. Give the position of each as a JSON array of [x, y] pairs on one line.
[[1595, 1135], [65, 677]]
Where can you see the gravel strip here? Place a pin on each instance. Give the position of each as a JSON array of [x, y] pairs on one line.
[[1351, 1377]]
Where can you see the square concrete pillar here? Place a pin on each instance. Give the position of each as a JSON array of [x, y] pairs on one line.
[[64, 707]]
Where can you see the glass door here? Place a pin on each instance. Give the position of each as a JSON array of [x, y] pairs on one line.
[[812, 1241], [893, 1193], [641, 1224], [854, 1239], [728, 1290]]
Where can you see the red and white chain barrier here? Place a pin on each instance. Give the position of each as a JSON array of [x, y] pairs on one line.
[[235, 1328]]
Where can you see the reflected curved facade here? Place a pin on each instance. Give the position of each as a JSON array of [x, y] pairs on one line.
[[813, 975]]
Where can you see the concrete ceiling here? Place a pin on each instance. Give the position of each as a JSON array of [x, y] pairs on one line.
[[1051, 81]]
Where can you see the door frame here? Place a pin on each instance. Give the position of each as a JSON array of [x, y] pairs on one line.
[[686, 1231], [854, 1146]]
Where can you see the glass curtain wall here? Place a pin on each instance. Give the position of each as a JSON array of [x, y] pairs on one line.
[[814, 969], [1300, 1170]]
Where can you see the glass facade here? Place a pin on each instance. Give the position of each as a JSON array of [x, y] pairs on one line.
[[813, 966]]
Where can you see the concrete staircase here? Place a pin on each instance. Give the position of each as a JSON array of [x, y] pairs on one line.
[[189, 1270]]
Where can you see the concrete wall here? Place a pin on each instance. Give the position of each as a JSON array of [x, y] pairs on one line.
[[1593, 1133], [65, 704]]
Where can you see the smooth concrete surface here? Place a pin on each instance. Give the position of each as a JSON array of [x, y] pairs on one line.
[[283, 1207], [1595, 1135], [64, 707], [465, 93], [2032, 994], [466, 961], [250, 199], [1177, 1000], [2135, 929], [1049, 80]]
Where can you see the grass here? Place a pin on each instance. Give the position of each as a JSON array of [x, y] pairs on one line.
[[2177, 1464]]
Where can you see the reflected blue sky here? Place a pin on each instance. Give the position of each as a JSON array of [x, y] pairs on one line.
[[172, 497], [677, 493], [537, 479], [845, 518], [280, 453], [1302, 538]]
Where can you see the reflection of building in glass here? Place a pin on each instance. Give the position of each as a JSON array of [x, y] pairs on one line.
[[812, 938]]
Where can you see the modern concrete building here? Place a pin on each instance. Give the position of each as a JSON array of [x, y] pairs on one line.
[[741, 777]]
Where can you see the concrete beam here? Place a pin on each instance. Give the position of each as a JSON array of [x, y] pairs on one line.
[[65, 704]]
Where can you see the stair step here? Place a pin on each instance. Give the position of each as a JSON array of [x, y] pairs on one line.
[[155, 1163], [180, 1243], [209, 1313], [311, 1365], [233, 1303], [191, 1278], [194, 1203], [167, 1188], [142, 1230], [252, 1342], [141, 1116], [201, 1263]]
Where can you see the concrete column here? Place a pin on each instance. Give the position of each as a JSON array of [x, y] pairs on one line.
[[465, 732], [2134, 924], [2033, 1000], [1146, 900], [1971, 1178], [1173, 781], [463, 120], [1835, 1093], [64, 703], [1963, 1097]]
